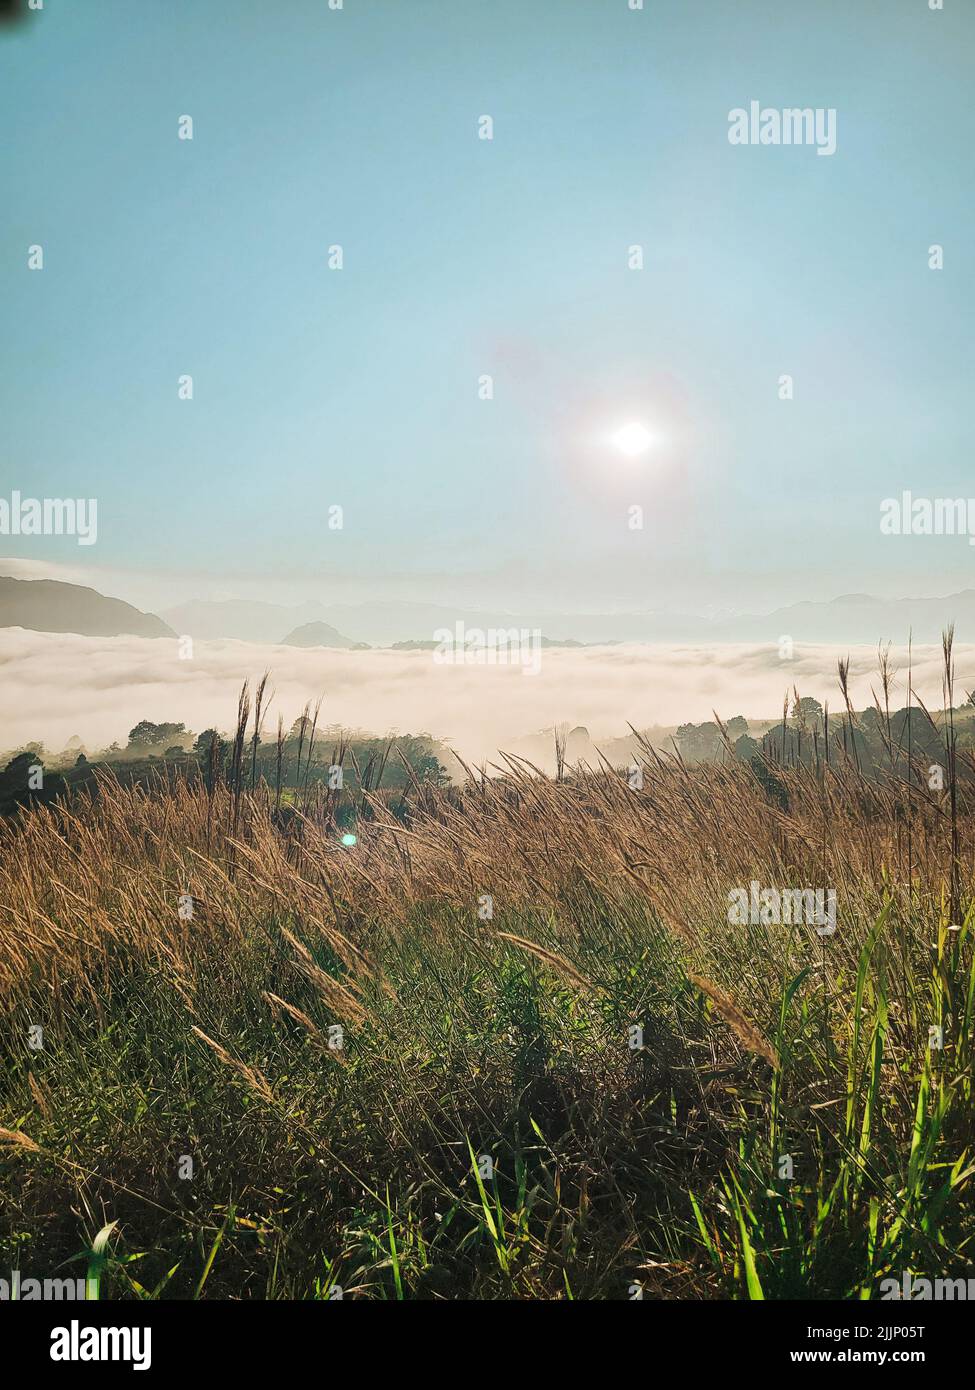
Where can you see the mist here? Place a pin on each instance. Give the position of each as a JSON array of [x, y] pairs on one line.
[[55, 685]]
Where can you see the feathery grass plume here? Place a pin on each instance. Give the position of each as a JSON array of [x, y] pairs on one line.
[[303, 723], [280, 1005], [240, 736], [212, 777], [259, 714], [337, 996], [237, 760], [561, 739], [40, 1095], [311, 746], [279, 762], [951, 758], [253, 1078], [562, 967], [18, 1140], [888, 675], [743, 1028], [785, 721], [843, 671]]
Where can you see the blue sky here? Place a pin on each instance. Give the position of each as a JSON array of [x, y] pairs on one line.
[[314, 387]]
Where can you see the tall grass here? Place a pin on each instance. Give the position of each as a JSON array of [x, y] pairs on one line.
[[339, 1034]]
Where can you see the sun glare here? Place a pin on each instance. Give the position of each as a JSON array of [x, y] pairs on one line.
[[633, 439]]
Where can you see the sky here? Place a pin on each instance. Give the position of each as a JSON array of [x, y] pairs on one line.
[[464, 257]]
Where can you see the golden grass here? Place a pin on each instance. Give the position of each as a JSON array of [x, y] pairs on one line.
[[459, 1025]]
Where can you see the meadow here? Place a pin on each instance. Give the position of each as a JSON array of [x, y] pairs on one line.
[[500, 1041]]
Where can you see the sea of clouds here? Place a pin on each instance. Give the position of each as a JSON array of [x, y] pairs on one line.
[[55, 685]]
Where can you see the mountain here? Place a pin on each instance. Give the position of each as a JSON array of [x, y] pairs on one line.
[[47, 605], [243, 619], [851, 618], [385, 623], [858, 618], [319, 635]]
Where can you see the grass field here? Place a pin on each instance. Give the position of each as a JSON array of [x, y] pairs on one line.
[[507, 1044]]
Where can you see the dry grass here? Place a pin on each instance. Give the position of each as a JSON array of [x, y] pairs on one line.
[[166, 1037]]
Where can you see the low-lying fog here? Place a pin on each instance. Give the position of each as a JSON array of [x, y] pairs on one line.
[[55, 685]]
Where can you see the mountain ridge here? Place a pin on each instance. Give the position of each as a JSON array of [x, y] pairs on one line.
[[854, 618], [50, 605]]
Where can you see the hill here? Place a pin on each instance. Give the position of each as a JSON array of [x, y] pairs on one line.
[[47, 605], [319, 635], [245, 620]]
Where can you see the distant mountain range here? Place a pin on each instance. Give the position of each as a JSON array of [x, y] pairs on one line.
[[858, 618], [244, 619], [46, 605], [50, 606], [852, 618]]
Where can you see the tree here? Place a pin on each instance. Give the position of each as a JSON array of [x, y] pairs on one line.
[[149, 735], [16, 779], [699, 743], [205, 742], [746, 748], [18, 767], [808, 712]]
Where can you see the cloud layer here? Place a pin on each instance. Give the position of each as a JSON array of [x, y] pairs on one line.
[[54, 685]]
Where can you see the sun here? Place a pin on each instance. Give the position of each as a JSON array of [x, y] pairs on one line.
[[633, 439]]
